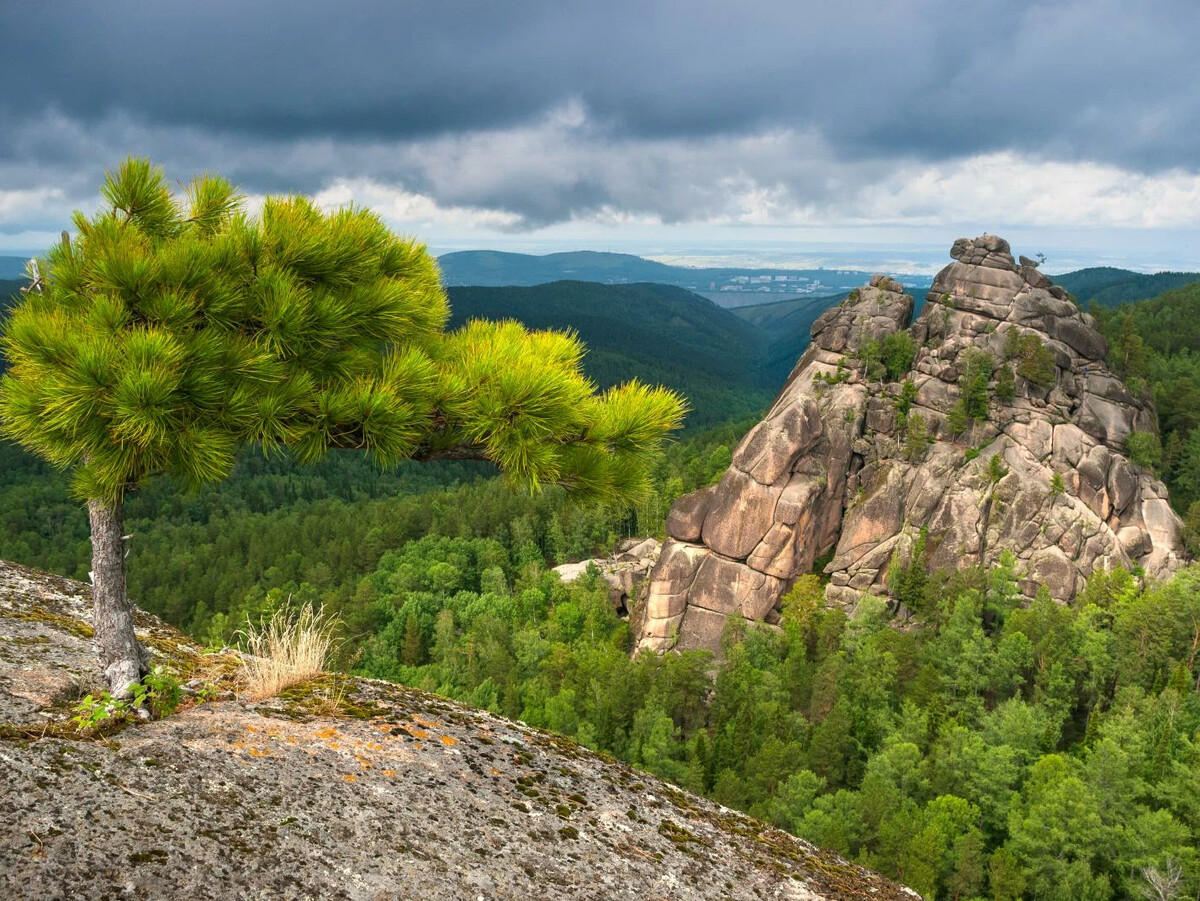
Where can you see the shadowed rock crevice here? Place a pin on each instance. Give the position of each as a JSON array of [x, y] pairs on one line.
[[1005, 366]]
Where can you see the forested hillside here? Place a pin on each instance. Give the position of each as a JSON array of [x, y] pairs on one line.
[[1155, 346], [1108, 286], [986, 751], [657, 333]]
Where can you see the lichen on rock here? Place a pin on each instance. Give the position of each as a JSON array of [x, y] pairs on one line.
[[349, 788]]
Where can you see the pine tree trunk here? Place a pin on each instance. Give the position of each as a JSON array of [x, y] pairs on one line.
[[121, 657]]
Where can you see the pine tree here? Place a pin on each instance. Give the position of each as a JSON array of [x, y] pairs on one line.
[[169, 334]]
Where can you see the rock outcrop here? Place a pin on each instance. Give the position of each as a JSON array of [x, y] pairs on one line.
[[342, 788], [839, 466], [625, 571]]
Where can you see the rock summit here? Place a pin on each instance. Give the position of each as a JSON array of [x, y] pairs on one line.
[[990, 424]]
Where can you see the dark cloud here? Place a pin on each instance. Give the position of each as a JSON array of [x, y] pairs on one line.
[[288, 94], [1111, 79]]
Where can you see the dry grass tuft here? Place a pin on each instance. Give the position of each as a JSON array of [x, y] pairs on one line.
[[292, 646]]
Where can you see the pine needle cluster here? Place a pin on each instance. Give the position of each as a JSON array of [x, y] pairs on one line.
[[171, 332]]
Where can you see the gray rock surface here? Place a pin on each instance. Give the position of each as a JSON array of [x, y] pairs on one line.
[[827, 471], [343, 789]]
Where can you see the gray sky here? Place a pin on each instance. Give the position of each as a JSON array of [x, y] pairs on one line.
[[677, 128]]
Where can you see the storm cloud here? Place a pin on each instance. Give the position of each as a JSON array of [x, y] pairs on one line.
[[510, 116]]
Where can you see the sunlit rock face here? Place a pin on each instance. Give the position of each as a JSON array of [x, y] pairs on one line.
[[835, 467]]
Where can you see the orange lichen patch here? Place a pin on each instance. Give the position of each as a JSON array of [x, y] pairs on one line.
[[415, 732], [449, 740], [374, 746], [363, 762], [350, 777], [428, 724], [259, 752], [495, 772], [385, 728], [327, 732], [389, 773]]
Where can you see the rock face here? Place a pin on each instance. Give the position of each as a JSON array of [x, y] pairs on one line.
[[342, 788], [835, 469], [625, 571]]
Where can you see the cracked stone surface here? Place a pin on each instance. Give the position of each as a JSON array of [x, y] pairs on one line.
[[346, 788]]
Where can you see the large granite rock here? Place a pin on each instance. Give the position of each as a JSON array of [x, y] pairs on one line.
[[828, 470], [343, 788]]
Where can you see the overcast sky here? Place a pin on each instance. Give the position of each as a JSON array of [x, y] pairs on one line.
[[675, 128]]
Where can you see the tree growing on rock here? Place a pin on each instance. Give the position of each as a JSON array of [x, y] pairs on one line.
[[170, 334]]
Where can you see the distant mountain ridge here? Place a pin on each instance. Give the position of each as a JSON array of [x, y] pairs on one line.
[[728, 286], [1109, 286], [659, 333]]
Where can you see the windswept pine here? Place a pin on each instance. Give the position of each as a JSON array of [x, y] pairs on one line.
[[171, 333]]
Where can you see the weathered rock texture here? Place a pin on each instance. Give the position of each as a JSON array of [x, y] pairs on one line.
[[343, 788], [828, 469], [625, 571]]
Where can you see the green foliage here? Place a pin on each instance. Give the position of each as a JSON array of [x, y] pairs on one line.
[[906, 398], [159, 693], [996, 468], [916, 437], [172, 334], [1035, 362], [1145, 449], [977, 366], [1006, 384], [956, 419], [897, 350], [1057, 486]]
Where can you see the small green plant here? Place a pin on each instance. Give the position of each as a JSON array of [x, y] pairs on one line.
[[976, 373], [1006, 384], [96, 711], [906, 398], [1036, 362], [1145, 450], [916, 437], [956, 419], [898, 351], [996, 468], [158, 693], [826, 378], [1057, 486]]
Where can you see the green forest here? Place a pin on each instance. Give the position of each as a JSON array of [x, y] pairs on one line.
[[992, 752]]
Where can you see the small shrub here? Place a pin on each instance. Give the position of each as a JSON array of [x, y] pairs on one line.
[[1145, 449], [1006, 384], [996, 468], [977, 372], [898, 352], [290, 647], [916, 437], [906, 398], [956, 419], [1057, 486], [1036, 363], [158, 694]]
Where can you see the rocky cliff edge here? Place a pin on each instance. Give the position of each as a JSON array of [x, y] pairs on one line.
[[834, 468], [340, 788]]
